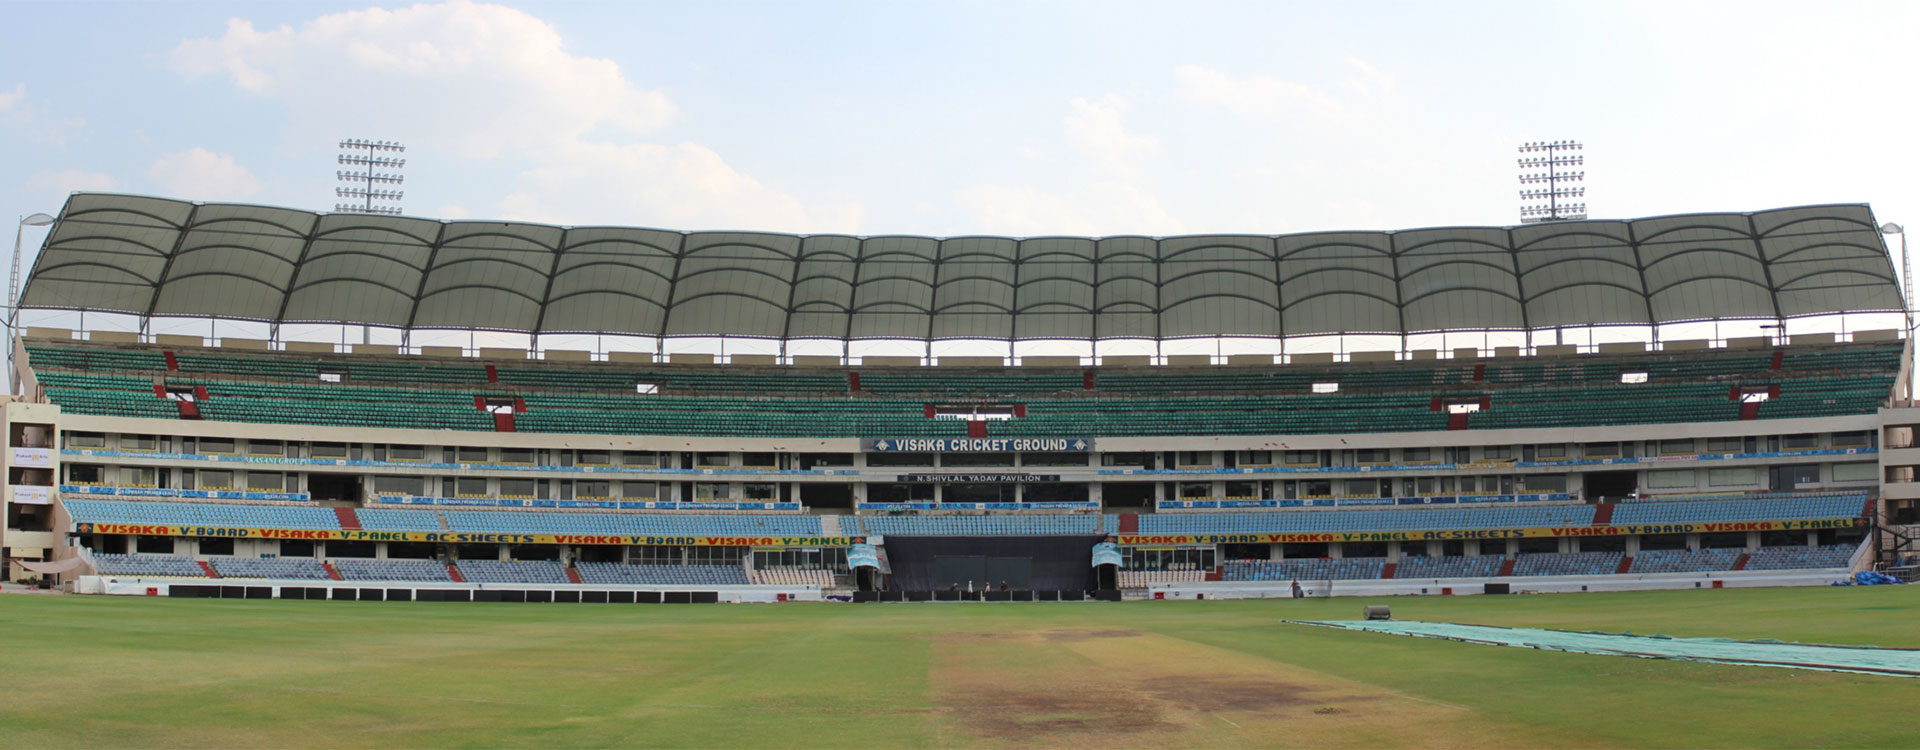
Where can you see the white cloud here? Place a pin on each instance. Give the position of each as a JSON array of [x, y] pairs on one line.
[[685, 186], [1262, 95], [480, 82], [472, 78], [203, 175], [21, 116], [1095, 128], [66, 181], [1116, 198]]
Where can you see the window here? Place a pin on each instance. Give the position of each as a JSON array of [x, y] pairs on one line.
[[1362, 488], [1497, 452], [1303, 458], [1243, 490], [1545, 482], [892, 492], [761, 491], [139, 443], [638, 491], [407, 452], [759, 460], [1801, 442], [266, 448], [1672, 479], [1195, 458], [712, 459], [138, 476], [212, 479], [469, 487], [1326, 387], [216, 546], [593, 489], [1416, 454], [1739, 477], [216, 445], [1600, 450], [711, 491], [1725, 444], [1123, 459], [398, 485], [269, 481], [470, 455], [85, 440], [516, 488], [1852, 439], [1676, 447], [329, 450], [1372, 456], [1551, 451], [594, 458], [1633, 378], [516, 456], [1256, 458], [1196, 490], [1856, 472], [639, 458]]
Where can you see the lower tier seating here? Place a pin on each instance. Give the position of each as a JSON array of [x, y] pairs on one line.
[[1307, 569], [390, 570], [1478, 566], [1800, 558], [792, 577], [270, 567], [665, 575], [147, 565], [1574, 564], [499, 571], [1685, 561]]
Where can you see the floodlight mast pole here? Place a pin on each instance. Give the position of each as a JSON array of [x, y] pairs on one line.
[[364, 187], [1556, 156]]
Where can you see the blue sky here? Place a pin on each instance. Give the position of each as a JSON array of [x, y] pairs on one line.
[[963, 118]]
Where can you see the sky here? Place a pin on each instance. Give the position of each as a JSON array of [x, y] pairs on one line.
[[1092, 118]]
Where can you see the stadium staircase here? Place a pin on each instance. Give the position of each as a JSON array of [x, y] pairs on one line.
[[442, 518], [830, 526], [453, 572], [349, 520], [208, 567], [1626, 565], [1741, 564], [1386, 572], [1603, 514], [573, 576], [1506, 568], [333, 573]]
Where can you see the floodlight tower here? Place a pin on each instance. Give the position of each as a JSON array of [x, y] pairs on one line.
[[1555, 157], [364, 185]]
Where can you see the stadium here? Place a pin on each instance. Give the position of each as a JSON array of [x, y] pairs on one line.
[[175, 466]]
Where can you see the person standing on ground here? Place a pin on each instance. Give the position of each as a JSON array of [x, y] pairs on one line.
[[1298, 593]]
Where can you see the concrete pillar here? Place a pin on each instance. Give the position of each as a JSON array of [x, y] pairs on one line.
[[1633, 546], [1693, 542], [1336, 550], [1753, 540], [1276, 551], [379, 550]]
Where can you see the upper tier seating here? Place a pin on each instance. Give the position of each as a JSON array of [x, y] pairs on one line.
[[270, 567], [1550, 392], [665, 575], [1850, 505], [147, 565], [647, 524], [497, 571], [1009, 525], [1800, 558], [1424, 519], [1685, 561], [355, 569], [202, 514]]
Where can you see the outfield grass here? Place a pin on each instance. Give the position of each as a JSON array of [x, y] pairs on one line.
[[114, 671]]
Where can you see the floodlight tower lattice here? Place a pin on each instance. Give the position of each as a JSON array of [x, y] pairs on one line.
[[366, 186], [1548, 163]]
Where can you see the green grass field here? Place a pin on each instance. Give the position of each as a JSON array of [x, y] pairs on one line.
[[114, 671]]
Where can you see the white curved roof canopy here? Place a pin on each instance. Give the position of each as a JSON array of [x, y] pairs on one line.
[[159, 257]]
